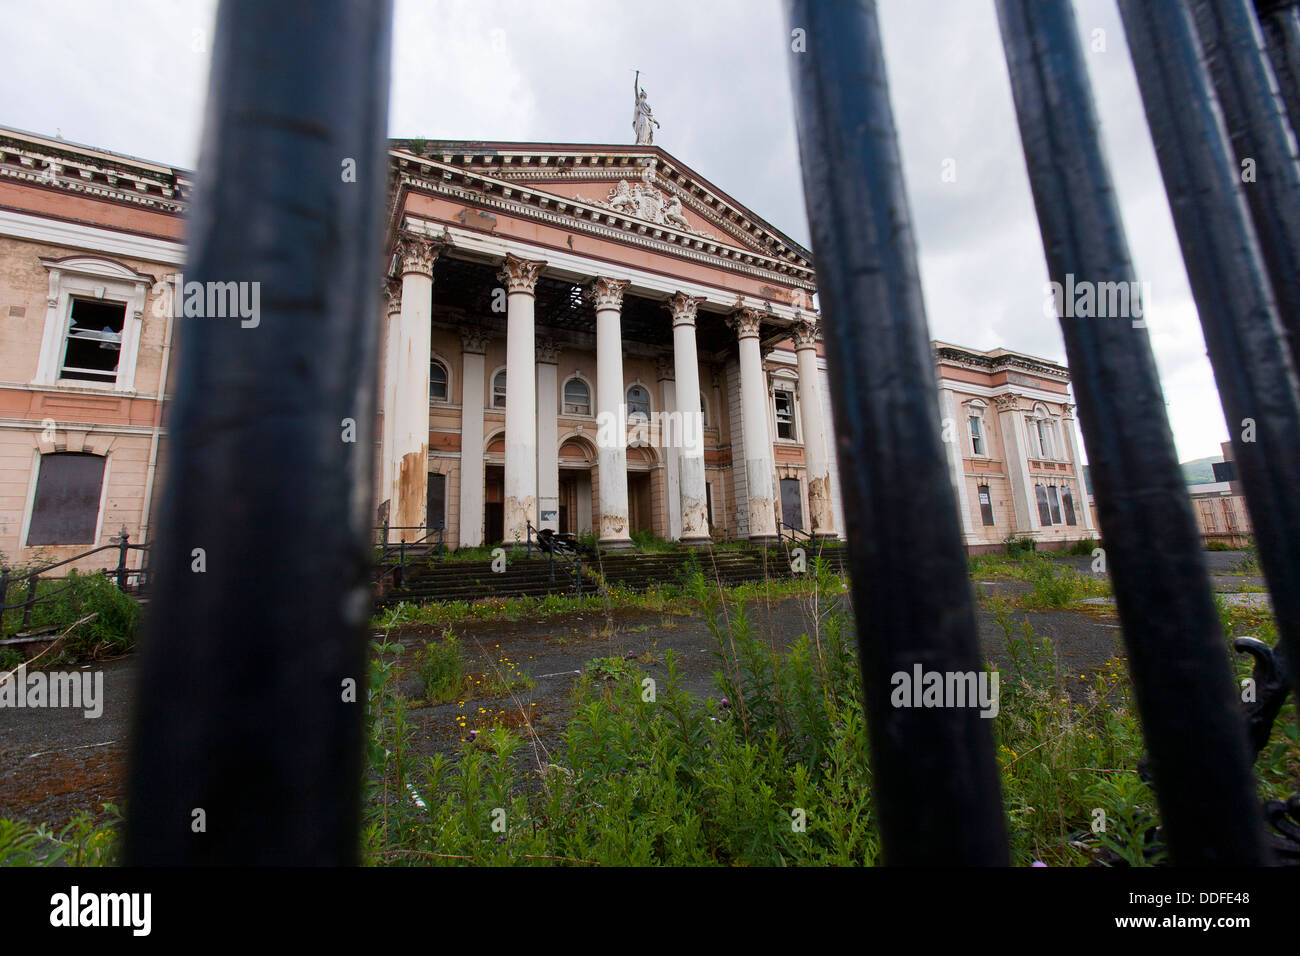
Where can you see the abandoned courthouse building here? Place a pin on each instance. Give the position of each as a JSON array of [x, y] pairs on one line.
[[582, 338]]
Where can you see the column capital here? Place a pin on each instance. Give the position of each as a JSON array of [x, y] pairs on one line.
[[745, 321], [418, 253], [473, 339], [392, 295], [665, 368], [1007, 402], [804, 333], [520, 275], [1067, 411], [606, 293], [683, 308], [548, 352]]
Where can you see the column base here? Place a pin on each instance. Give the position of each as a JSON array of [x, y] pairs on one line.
[[615, 544], [764, 538], [696, 541]]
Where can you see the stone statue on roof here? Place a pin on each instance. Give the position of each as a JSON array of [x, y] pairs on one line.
[[644, 118]]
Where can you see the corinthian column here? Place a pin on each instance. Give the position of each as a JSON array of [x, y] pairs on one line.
[[520, 279], [409, 462], [814, 430], [760, 468], [695, 513], [611, 411]]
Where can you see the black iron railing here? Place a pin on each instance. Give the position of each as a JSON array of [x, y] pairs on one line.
[[557, 548], [243, 670], [128, 579], [390, 565]]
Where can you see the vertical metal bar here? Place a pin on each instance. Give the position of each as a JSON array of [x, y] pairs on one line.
[[121, 560], [1252, 366], [1177, 654], [247, 738], [937, 786], [1261, 139], [1280, 23], [33, 583]]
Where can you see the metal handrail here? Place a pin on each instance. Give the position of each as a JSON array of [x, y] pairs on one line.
[[384, 570], [122, 545], [573, 560]]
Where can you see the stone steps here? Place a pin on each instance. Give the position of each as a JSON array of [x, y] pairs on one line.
[[426, 580]]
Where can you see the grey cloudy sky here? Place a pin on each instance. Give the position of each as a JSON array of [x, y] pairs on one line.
[[130, 76]]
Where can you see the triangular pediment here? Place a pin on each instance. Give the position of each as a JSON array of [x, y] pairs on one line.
[[642, 191]]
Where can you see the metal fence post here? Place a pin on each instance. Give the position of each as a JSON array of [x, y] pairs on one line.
[[1246, 344], [123, 542], [1280, 24], [1177, 655], [1261, 140], [937, 788], [250, 710]]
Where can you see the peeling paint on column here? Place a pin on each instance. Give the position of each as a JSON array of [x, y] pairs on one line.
[[819, 503], [519, 513], [412, 490], [613, 526]]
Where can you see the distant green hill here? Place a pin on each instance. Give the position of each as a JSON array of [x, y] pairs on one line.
[[1199, 470]]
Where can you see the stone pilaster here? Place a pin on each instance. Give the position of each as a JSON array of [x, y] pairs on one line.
[[548, 435], [472, 400]]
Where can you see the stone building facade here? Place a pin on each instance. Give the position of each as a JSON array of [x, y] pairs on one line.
[[583, 338]]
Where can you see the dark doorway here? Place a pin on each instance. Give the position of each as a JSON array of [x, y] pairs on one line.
[[638, 501], [494, 516], [437, 517], [791, 503]]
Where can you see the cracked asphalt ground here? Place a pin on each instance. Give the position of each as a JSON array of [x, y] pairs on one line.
[[56, 762]]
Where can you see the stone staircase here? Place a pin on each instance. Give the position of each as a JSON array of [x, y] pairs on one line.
[[425, 579]]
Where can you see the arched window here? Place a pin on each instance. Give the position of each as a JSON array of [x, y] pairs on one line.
[[1045, 430], [638, 402], [437, 381], [975, 425], [704, 411], [577, 397], [499, 389]]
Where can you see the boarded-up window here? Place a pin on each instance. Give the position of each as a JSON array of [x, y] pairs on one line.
[[1044, 510], [1067, 505], [986, 505], [66, 508]]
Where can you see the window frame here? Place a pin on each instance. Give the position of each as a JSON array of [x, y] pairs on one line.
[[446, 381], [492, 398], [788, 391], [99, 279], [34, 498], [564, 397], [627, 401]]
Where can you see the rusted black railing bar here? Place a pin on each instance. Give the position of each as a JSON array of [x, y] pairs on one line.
[[936, 781], [1261, 140], [1247, 347], [247, 738], [1280, 23], [1177, 654]]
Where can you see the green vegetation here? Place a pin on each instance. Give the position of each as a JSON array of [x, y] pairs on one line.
[[109, 632], [81, 843], [442, 669]]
